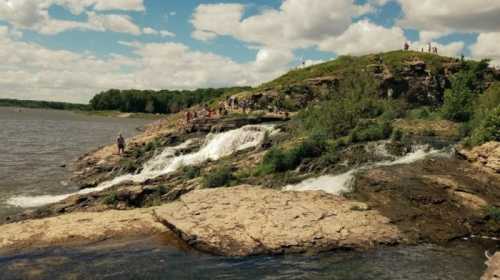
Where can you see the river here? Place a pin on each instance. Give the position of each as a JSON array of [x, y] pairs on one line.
[[36, 143]]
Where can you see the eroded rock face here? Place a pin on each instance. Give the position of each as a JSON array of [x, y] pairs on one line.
[[486, 155], [493, 272], [78, 228], [248, 220]]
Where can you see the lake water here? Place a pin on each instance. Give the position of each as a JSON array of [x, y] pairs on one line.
[[148, 259], [34, 144]]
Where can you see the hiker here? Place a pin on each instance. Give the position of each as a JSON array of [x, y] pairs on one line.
[[462, 58], [120, 142], [435, 50], [430, 47], [407, 46], [189, 117]]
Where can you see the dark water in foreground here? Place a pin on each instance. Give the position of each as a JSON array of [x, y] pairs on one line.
[[148, 260], [35, 143]]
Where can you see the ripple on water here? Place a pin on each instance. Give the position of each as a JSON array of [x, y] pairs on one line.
[[146, 259]]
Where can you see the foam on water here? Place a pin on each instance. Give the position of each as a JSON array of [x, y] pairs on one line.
[[216, 146], [342, 183]]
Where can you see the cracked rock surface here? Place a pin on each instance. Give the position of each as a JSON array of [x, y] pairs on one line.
[[493, 272], [248, 220]]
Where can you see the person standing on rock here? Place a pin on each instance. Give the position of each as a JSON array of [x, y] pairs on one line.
[[120, 142]]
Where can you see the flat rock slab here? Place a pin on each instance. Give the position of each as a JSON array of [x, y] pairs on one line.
[[248, 220], [79, 228], [493, 272]]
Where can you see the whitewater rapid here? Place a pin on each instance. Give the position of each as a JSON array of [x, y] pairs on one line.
[[216, 146], [342, 183]]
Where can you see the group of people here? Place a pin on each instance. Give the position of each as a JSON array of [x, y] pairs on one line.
[[430, 48]]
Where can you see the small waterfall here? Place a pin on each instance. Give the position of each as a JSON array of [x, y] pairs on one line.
[[342, 183], [216, 146]]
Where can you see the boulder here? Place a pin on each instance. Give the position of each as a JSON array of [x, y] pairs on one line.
[[248, 220], [78, 228], [486, 156], [493, 272]]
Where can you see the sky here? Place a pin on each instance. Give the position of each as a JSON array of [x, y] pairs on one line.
[[70, 50]]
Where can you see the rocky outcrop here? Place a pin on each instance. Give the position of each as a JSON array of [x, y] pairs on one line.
[[486, 156], [248, 220], [434, 200], [493, 272], [79, 228]]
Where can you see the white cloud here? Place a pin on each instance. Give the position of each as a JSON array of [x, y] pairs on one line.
[[116, 23], [34, 15], [296, 24], [451, 15], [365, 37], [486, 47], [162, 33], [32, 71]]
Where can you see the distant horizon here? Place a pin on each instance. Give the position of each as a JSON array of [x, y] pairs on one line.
[[67, 51]]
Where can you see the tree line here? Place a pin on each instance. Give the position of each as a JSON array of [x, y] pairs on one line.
[[162, 102], [42, 104]]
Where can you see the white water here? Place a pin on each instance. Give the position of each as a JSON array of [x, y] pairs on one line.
[[342, 183], [216, 146]]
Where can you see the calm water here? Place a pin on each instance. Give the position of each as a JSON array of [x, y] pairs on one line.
[[149, 260], [35, 143]]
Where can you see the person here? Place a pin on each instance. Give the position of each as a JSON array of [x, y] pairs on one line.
[[189, 116], [435, 50], [407, 46], [120, 142], [462, 58], [430, 47]]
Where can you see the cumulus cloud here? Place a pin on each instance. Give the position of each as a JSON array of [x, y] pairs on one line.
[[34, 15], [451, 15], [32, 71], [296, 24], [365, 37], [486, 47]]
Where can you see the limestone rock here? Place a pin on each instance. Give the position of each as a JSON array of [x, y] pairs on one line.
[[493, 272], [78, 228], [486, 155], [248, 220]]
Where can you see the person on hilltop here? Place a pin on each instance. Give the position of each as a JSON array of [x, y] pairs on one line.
[[407, 46], [120, 142]]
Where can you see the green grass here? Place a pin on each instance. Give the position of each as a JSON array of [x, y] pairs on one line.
[[343, 65]]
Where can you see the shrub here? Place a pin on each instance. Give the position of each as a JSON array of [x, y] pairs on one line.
[[397, 135], [111, 199], [489, 129], [191, 172], [371, 131], [494, 213], [220, 177], [457, 105], [279, 160]]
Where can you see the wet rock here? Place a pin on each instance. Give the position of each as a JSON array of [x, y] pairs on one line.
[[493, 272], [248, 220]]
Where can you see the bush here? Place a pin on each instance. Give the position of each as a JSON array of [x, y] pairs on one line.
[[494, 213], [220, 177], [489, 129], [111, 199], [371, 131], [191, 172], [279, 160]]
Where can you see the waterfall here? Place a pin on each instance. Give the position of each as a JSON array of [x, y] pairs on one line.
[[342, 183], [215, 146]]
